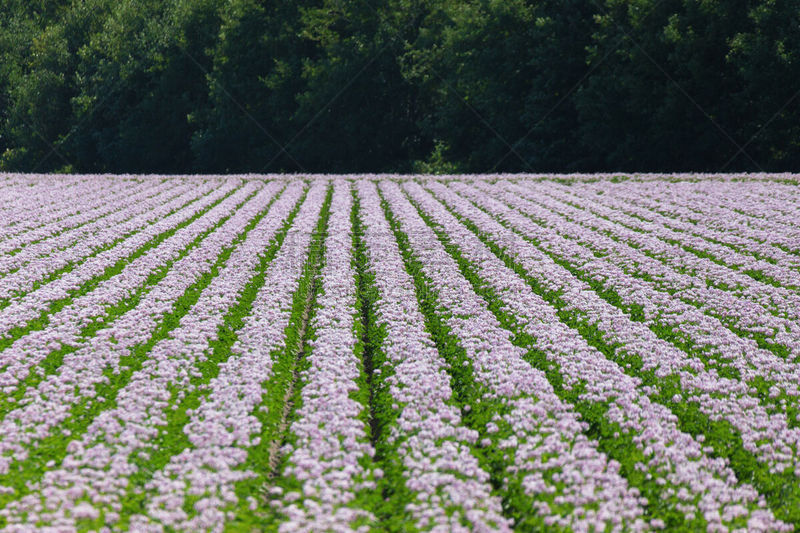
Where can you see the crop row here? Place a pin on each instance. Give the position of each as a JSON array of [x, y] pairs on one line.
[[388, 353]]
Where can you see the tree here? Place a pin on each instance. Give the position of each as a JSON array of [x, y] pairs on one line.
[[662, 95], [357, 112], [37, 77], [766, 56], [142, 75], [256, 65], [500, 75]]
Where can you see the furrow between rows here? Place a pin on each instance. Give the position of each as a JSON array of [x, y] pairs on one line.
[[701, 403], [523, 425], [100, 462], [771, 378]]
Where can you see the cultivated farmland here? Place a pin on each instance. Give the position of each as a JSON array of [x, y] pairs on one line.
[[389, 353]]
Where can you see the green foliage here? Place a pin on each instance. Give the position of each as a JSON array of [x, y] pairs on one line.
[[282, 390], [663, 95], [437, 162], [429, 86], [53, 447], [52, 362], [392, 496], [357, 111], [496, 75], [720, 436], [256, 60], [171, 440]]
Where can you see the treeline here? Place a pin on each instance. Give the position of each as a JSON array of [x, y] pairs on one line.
[[399, 85]]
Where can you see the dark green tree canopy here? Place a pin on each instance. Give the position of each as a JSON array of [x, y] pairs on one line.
[[399, 85]]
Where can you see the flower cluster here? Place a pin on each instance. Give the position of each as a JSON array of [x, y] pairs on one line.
[[721, 348], [32, 211], [66, 325], [30, 306], [223, 427], [682, 265], [698, 479], [449, 486], [329, 443], [550, 452], [90, 229], [375, 352], [98, 462]]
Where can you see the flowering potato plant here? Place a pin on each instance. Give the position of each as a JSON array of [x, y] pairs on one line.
[[400, 353]]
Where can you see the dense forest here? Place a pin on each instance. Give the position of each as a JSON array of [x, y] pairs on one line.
[[399, 85]]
